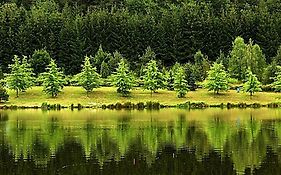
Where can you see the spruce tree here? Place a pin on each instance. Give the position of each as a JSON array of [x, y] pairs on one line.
[[252, 84], [123, 79], [153, 78], [217, 79], [180, 83], [88, 78], [20, 78], [52, 79]]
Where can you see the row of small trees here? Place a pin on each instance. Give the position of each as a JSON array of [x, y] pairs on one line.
[[22, 77]]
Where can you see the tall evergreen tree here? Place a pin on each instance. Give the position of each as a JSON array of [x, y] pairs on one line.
[[123, 79], [153, 78], [52, 79], [217, 79], [180, 84], [252, 84], [88, 78], [236, 60]]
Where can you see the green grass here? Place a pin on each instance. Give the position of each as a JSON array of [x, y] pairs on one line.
[[107, 95]]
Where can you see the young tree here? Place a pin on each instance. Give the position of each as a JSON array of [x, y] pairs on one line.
[[153, 78], [52, 79], [217, 79], [4, 96], [180, 83], [88, 78], [123, 79], [252, 84], [20, 77]]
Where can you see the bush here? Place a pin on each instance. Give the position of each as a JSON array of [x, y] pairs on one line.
[[4, 96]]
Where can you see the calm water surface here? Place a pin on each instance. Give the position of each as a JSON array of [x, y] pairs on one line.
[[169, 141]]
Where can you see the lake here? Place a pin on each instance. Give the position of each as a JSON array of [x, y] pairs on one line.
[[168, 141]]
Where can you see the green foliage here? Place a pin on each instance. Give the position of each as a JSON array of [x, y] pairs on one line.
[[145, 58], [237, 55], [217, 79], [39, 60], [20, 78], [202, 66], [123, 79], [101, 58], [180, 83], [244, 56], [104, 70], [190, 72], [4, 96], [252, 84], [277, 80], [277, 58], [52, 79], [153, 78], [88, 78], [270, 72]]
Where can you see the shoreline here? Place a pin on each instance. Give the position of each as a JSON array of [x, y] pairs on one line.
[[150, 105]]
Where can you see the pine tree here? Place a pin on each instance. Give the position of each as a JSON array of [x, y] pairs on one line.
[[180, 84], [252, 84], [217, 79], [88, 78], [4, 96], [52, 79], [123, 79], [153, 78], [20, 78]]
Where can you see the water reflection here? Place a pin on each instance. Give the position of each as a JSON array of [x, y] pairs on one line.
[[212, 141]]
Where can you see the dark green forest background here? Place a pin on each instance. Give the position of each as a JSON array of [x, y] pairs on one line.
[[174, 29]]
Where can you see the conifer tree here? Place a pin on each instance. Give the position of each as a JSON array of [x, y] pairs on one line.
[[217, 79], [180, 84], [52, 79], [20, 78], [153, 78], [123, 79], [252, 84], [88, 78]]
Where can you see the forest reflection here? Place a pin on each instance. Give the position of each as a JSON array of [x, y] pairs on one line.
[[125, 142]]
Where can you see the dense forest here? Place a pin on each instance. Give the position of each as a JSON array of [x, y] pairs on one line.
[[174, 29]]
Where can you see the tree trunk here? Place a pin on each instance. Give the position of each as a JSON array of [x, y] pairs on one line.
[[17, 93]]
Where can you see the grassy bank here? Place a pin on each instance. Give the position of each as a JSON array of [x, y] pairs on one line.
[[108, 95]]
